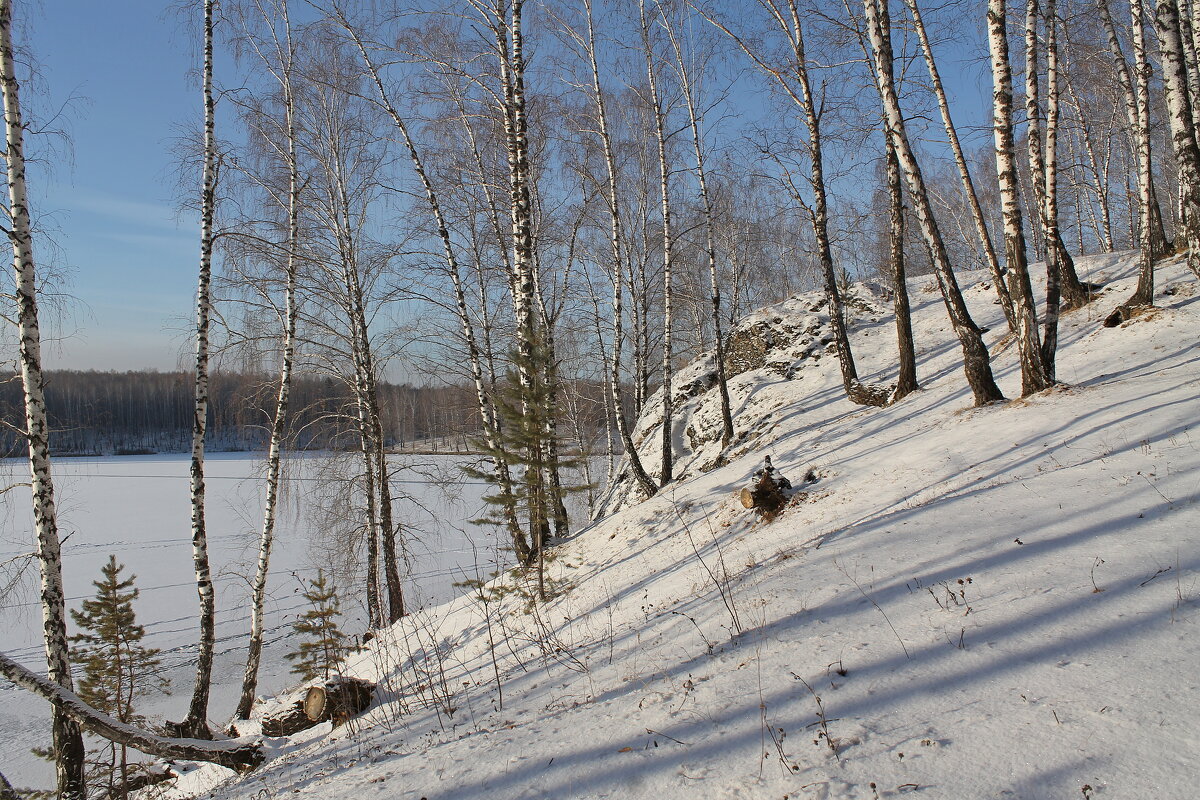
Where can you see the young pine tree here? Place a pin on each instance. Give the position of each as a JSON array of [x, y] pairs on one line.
[[324, 646], [523, 411], [116, 669]]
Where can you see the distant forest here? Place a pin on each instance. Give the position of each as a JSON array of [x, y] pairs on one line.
[[128, 413]]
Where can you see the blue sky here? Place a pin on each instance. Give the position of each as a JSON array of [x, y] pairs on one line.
[[130, 256]]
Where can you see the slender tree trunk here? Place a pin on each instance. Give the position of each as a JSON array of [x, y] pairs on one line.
[[1183, 134], [976, 362], [1033, 370], [820, 216], [648, 486], [668, 243], [195, 725], [1057, 258], [67, 739], [906, 382], [985, 238], [1103, 225], [288, 350]]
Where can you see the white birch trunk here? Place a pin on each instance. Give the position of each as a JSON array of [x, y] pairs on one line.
[[976, 362], [67, 739], [648, 486], [1033, 371], [195, 725], [285, 52], [1183, 134], [664, 189], [960, 161]]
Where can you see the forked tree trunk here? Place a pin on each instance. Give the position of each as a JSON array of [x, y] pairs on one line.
[[195, 725], [67, 739], [285, 53], [1183, 133], [239, 755], [976, 362], [1033, 369], [985, 237]]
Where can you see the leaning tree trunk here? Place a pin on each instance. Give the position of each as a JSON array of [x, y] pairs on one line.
[[240, 755], [985, 237], [486, 410], [976, 362], [1033, 369], [1183, 134], [195, 725], [279, 421], [67, 739]]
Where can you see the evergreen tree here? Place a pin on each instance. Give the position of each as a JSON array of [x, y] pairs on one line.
[[522, 439], [324, 647], [117, 669]]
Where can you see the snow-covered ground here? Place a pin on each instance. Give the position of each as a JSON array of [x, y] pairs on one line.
[[137, 508], [966, 603]]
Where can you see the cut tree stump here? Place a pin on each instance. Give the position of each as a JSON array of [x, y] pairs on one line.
[[338, 699]]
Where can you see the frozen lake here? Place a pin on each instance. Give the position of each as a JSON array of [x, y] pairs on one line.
[[137, 508]]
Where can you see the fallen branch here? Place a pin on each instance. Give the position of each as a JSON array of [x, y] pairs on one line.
[[240, 755]]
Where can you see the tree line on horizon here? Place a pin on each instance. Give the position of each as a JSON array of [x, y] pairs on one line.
[[140, 412]]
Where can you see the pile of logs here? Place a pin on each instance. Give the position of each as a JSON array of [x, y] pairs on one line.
[[337, 699]]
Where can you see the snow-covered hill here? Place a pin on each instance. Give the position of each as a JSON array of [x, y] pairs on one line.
[[965, 603]]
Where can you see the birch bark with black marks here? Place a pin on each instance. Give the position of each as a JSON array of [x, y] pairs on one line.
[[976, 362], [668, 245], [960, 161], [1060, 268], [67, 739], [281, 68], [615, 238], [906, 379], [195, 725], [1183, 133], [240, 755], [786, 18], [1033, 369], [486, 409]]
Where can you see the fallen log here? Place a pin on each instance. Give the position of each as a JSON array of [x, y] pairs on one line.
[[338, 699], [240, 755]]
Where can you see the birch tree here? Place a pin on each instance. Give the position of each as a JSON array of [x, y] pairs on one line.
[[616, 244], [794, 80], [195, 725], [1033, 369], [67, 738], [976, 362], [277, 53], [960, 162], [1183, 131]]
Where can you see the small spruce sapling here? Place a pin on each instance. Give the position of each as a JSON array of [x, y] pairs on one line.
[[324, 646], [117, 669]]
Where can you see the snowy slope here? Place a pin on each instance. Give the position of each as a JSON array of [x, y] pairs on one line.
[[995, 602]]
